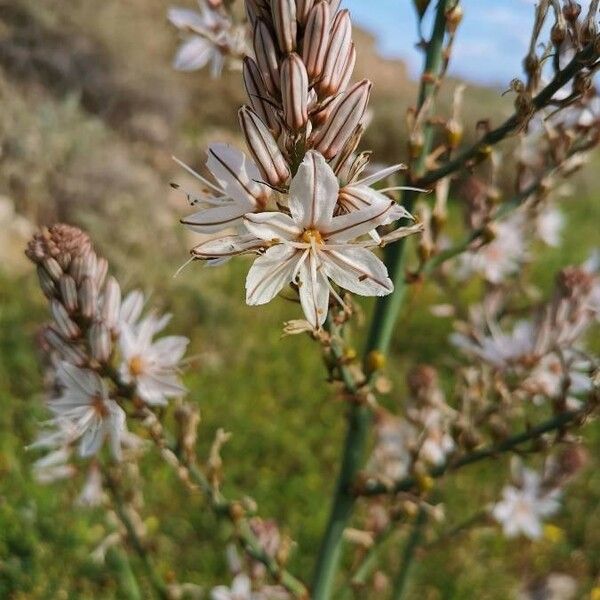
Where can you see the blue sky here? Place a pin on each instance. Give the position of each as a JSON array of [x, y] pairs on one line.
[[492, 40]]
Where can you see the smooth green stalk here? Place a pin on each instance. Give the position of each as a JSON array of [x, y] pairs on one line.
[[128, 586], [408, 555], [384, 320]]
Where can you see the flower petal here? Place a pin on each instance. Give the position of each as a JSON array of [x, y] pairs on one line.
[[272, 226], [314, 291], [313, 192], [237, 175], [357, 270], [270, 273], [352, 225], [184, 18], [379, 175], [217, 218], [193, 54]]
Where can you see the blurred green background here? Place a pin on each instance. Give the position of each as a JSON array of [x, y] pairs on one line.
[[91, 113]]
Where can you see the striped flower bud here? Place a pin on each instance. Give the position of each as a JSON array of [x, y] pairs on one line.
[[76, 268], [284, 23], [101, 272], [66, 326], [111, 303], [257, 9], [346, 72], [46, 282], [294, 92], [257, 93], [263, 148], [68, 292], [88, 297], [337, 54], [68, 352], [303, 8], [343, 120], [100, 342], [335, 5], [89, 265], [316, 40], [266, 57], [52, 268]]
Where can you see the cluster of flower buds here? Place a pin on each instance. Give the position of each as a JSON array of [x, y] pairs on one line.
[[302, 202], [101, 352], [212, 38], [420, 440], [542, 358]]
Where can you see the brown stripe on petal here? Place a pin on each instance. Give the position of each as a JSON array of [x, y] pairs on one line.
[[362, 274], [303, 8], [258, 95], [316, 40], [339, 47], [376, 218]]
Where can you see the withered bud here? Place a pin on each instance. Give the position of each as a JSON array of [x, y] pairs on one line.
[[100, 342], [68, 292], [571, 11], [558, 33], [422, 379], [338, 53], [266, 57], [316, 40], [284, 23], [66, 326], [264, 148], [294, 92], [346, 114], [454, 17]]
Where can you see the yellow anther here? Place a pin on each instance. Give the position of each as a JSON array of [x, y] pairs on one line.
[[310, 235], [375, 361], [136, 366]]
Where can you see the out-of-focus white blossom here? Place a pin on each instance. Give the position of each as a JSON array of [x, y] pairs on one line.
[[549, 224], [523, 508]]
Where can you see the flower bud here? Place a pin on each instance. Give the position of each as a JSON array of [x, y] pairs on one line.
[[89, 265], [316, 40], [68, 292], [100, 342], [284, 22], [257, 9], [263, 148], [257, 93], [266, 57], [294, 92], [66, 326], [303, 8], [335, 5], [76, 268], [88, 297], [68, 352], [46, 282], [346, 72], [101, 272], [345, 116], [111, 303], [337, 53], [52, 268]]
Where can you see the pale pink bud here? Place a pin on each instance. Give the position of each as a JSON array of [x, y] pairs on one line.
[[257, 93], [68, 292], [303, 8], [100, 342], [346, 72], [76, 268], [335, 5], [345, 116], [294, 92], [264, 148], [70, 353], [284, 23], [111, 303], [316, 40], [67, 327], [52, 268], [89, 265], [266, 57], [88, 297], [337, 54], [46, 282]]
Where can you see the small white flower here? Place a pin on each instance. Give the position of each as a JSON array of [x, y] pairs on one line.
[[522, 508], [152, 366], [241, 589], [211, 39], [237, 191], [549, 225], [502, 257], [54, 466], [91, 494], [311, 245], [84, 412]]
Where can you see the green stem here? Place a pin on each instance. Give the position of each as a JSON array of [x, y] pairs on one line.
[[384, 319], [408, 555], [557, 422], [128, 586]]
